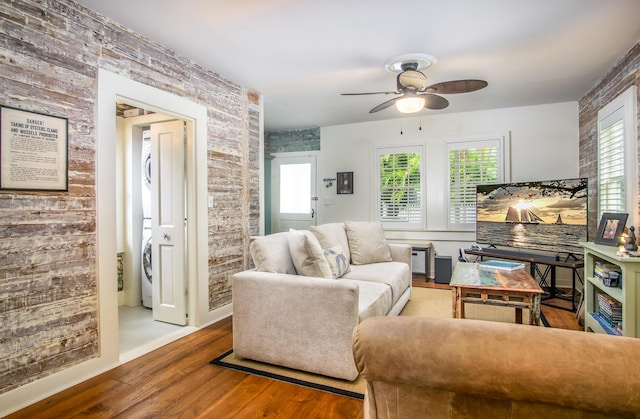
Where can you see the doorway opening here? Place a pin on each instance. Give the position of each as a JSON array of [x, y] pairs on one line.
[[137, 220]]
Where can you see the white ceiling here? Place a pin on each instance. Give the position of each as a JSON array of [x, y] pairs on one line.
[[301, 54]]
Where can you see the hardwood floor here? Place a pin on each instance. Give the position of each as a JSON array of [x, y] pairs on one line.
[[178, 381]]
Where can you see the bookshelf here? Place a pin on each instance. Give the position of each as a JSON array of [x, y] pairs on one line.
[[628, 295]]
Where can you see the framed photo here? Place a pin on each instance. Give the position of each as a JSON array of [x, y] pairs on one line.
[[345, 182], [610, 228], [33, 151]]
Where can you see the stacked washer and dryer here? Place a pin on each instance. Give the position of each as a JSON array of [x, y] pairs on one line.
[[146, 274]]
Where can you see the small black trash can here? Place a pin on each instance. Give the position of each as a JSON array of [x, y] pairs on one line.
[[443, 269]]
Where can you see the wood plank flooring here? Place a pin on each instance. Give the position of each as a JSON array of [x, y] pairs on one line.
[[178, 381]]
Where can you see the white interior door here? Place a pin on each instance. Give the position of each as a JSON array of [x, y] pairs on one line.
[[293, 193], [168, 222]]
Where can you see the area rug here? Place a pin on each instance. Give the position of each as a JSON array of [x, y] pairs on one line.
[[424, 302]]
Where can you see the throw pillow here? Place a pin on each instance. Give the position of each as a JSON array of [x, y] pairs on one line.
[[367, 242], [338, 261], [271, 253], [307, 255], [330, 235]]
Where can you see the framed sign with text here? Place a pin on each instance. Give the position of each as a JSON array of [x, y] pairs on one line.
[[33, 151]]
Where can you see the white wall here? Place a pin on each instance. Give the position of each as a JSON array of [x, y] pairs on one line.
[[543, 143]]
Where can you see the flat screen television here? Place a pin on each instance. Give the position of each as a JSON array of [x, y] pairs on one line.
[[548, 216]]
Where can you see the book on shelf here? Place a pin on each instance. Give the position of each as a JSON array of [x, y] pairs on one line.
[[607, 328], [610, 310], [501, 265], [608, 273]]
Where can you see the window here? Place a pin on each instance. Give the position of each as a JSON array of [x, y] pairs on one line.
[[295, 189], [471, 163], [617, 176], [400, 187]]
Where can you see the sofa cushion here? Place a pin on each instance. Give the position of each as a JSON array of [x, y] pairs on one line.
[[330, 235], [396, 275], [373, 299], [338, 261], [307, 255], [367, 243], [271, 253]]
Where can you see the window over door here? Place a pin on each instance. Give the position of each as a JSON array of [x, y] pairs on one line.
[[471, 163], [617, 161], [400, 187]]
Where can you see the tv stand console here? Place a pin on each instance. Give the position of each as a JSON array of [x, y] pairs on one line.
[[541, 273]]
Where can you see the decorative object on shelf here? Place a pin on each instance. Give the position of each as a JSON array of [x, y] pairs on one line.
[[328, 181], [345, 182], [630, 240], [500, 265], [33, 151], [610, 228]]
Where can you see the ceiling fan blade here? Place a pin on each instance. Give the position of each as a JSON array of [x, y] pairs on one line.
[[385, 105], [434, 101], [457, 86], [370, 93]]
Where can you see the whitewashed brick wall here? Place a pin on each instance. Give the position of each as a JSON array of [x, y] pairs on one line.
[[49, 55]]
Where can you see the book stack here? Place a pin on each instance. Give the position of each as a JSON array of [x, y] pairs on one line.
[[610, 310], [608, 273]]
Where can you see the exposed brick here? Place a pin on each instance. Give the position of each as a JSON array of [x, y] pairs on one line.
[[50, 51], [623, 75], [307, 139]]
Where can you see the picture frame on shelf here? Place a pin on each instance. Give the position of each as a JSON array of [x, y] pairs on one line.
[[344, 182], [610, 228]]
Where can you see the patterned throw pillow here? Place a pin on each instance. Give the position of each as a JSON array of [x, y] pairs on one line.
[[338, 261]]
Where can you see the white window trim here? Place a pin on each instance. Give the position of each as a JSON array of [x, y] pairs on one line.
[[397, 149], [504, 169], [625, 103]]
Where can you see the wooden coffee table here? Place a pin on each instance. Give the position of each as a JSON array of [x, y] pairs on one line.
[[475, 285]]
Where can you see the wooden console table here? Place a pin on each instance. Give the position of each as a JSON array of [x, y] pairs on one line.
[[538, 273]]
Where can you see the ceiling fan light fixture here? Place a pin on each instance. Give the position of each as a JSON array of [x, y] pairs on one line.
[[410, 104], [419, 60]]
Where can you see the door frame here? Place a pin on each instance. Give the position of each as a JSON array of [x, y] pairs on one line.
[[111, 88]]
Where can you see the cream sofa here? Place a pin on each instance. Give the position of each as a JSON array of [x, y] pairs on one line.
[[299, 306], [456, 368]]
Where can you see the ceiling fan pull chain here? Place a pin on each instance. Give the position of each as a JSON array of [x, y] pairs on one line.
[[420, 128], [401, 121]]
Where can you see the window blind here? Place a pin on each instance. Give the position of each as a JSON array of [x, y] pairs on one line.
[[611, 168], [400, 187], [470, 165]]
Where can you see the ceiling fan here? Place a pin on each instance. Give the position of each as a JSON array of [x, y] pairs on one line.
[[411, 85]]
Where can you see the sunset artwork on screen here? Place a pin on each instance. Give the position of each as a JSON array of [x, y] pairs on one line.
[[544, 215]]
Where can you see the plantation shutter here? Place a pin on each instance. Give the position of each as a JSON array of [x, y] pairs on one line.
[[470, 164], [400, 186], [612, 196], [618, 156]]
